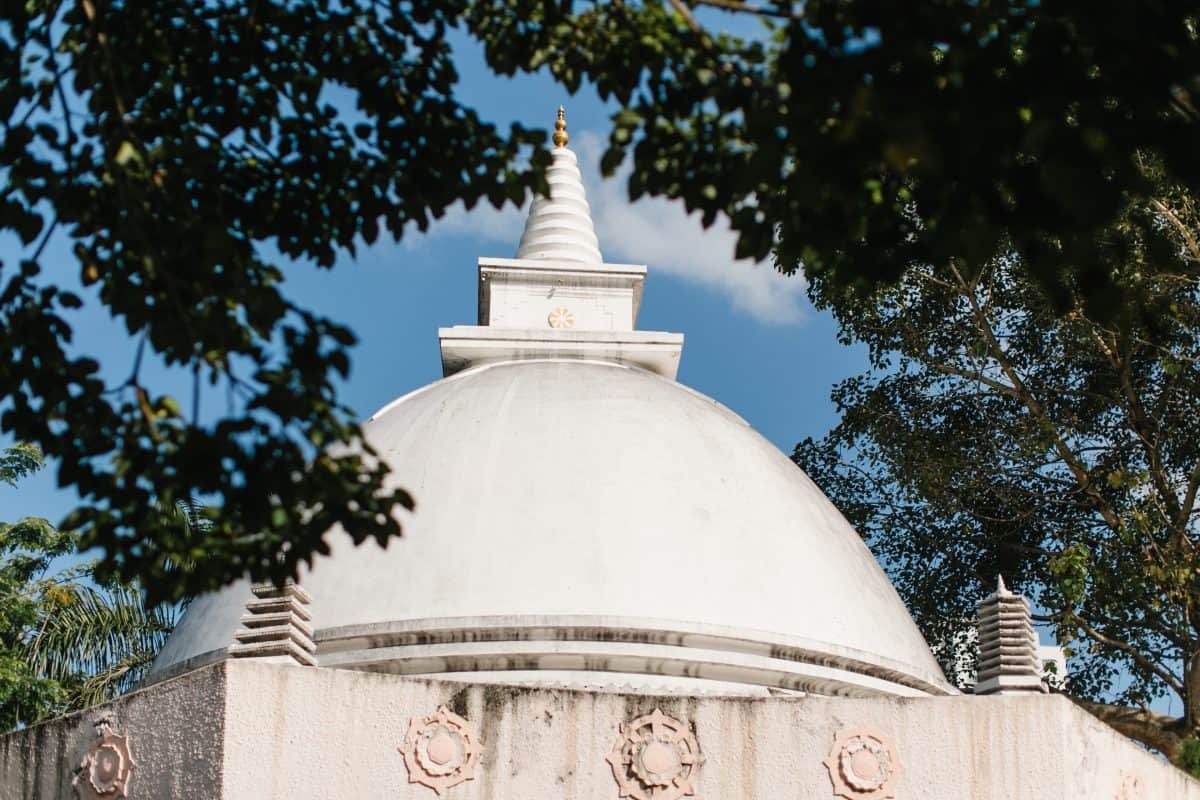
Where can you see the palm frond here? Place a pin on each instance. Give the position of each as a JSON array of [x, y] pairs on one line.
[[119, 678], [102, 638]]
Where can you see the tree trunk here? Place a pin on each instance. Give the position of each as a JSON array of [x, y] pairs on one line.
[[1191, 695]]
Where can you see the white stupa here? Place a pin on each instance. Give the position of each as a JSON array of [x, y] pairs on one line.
[[583, 519], [612, 588]]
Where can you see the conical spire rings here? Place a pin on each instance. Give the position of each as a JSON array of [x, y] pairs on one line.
[[560, 227]]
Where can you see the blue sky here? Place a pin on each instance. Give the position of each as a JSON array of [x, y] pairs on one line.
[[752, 340]]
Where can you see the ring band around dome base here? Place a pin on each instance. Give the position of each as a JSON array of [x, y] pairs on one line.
[[633, 647]]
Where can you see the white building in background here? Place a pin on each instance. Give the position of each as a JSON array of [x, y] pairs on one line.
[[612, 587]]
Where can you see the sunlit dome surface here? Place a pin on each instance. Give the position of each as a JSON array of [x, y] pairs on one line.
[[592, 518]]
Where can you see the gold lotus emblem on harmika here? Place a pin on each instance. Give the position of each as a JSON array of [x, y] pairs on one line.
[[560, 318]]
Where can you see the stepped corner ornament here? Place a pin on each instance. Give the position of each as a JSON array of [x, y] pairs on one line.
[[655, 757], [440, 750], [105, 770], [1009, 662], [863, 766]]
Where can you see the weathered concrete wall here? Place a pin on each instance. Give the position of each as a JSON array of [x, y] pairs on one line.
[[337, 734], [300, 733], [176, 730]]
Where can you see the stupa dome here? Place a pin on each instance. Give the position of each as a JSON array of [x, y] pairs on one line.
[[583, 519], [588, 517]]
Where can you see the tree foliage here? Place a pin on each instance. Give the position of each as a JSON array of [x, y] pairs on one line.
[[993, 435], [66, 643], [856, 137], [100, 643], [177, 147]]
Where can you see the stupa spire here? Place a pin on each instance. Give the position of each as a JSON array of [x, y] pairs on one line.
[[558, 299], [559, 227]]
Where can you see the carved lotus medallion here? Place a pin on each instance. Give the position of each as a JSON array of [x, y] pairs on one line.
[[105, 771], [440, 750], [863, 766], [655, 757]]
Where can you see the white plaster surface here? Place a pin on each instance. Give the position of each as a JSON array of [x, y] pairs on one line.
[[300, 733], [521, 293], [531, 309], [592, 491]]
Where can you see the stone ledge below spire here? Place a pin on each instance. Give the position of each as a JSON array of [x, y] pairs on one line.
[[466, 346]]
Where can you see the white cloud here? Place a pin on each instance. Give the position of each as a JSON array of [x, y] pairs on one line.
[[483, 221], [652, 231]]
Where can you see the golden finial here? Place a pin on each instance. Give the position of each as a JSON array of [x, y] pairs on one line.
[[560, 129]]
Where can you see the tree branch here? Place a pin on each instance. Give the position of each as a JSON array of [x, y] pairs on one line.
[[746, 8], [970, 375], [1189, 499], [1133, 653], [1189, 239], [1036, 410], [686, 13], [1140, 424]]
